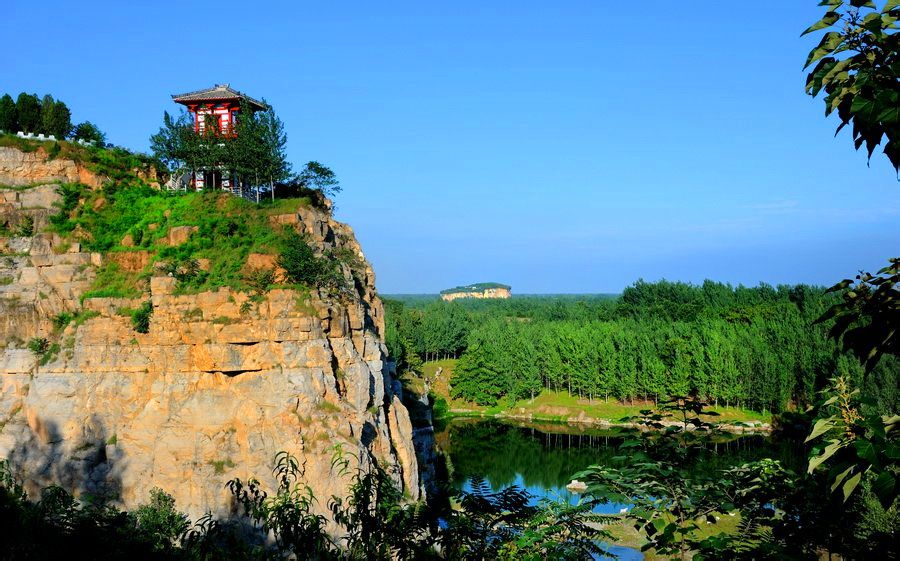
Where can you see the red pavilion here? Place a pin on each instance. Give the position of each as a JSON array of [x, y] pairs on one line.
[[223, 104]]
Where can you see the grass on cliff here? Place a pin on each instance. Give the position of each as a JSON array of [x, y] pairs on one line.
[[116, 164], [228, 230]]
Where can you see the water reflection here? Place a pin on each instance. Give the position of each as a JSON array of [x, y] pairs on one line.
[[543, 457]]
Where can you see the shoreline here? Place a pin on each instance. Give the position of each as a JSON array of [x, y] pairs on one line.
[[750, 427]]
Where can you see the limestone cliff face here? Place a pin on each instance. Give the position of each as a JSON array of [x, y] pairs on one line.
[[486, 293], [19, 168], [219, 384]]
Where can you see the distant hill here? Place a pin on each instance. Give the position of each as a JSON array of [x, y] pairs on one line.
[[477, 290]]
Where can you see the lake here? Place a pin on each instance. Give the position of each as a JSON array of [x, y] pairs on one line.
[[542, 457]]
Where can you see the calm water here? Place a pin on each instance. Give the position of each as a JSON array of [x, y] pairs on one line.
[[543, 457]]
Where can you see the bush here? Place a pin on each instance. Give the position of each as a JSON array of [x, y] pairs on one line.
[[140, 318], [260, 279], [159, 523], [303, 266], [26, 228], [62, 320], [39, 345], [89, 132]]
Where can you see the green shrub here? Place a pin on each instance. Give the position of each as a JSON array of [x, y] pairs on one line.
[[53, 151], [140, 319], [38, 345], [302, 266], [159, 523], [260, 279], [26, 228], [440, 408], [62, 319]]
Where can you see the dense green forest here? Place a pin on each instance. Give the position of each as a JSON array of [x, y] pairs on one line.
[[755, 347]]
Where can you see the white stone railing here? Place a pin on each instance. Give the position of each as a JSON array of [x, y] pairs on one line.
[[49, 138]]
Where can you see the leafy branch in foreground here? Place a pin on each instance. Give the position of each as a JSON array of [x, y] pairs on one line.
[[856, 444], [505, 524], [667, 499], [857, 64], [867, 318]]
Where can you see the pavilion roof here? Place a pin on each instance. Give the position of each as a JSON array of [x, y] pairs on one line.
[[220, 92]]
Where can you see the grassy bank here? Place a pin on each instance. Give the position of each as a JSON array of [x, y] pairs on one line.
[[548, 405]]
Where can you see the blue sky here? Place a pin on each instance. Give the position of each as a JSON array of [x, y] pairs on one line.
[[556, 147]]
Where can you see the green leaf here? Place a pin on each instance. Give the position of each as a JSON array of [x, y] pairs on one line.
[[837, 480], [821, 427], [890, 5], [827, 21], [866, 451], [829, 43], [828, 452], [851, 484], [884, 485]]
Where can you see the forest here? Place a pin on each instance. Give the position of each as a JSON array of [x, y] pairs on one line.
[[757, 347]]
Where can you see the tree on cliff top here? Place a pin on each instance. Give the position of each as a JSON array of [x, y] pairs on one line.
[[9, 118], [319, 177], [256, 152], [56, 119], [28, 108], [89, 132]]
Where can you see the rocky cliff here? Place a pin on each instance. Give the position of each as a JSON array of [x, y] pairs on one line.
[[220, 382], [18, 168]]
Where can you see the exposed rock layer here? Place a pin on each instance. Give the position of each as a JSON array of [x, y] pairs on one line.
[[19, 168], [219, 384]]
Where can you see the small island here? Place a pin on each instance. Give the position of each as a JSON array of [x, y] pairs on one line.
[[478, 290]]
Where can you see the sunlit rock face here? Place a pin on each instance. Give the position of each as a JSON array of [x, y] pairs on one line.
[[18, 168], [219, 384]]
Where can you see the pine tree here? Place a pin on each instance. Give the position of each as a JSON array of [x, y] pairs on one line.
[[9, 119], [60, 123], [28, 109], [48, 107], [475, 378]]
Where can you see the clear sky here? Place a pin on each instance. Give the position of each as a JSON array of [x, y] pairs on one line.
[[554, 146]]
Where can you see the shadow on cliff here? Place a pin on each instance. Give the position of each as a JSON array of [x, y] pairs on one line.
[[88, 465]]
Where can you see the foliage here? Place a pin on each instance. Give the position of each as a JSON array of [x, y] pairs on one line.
[[35, 115], [56, 119], [668, 501], [140, 318], [229, 229], [89, 132], [374, 520], [159, 523], [319, 177], [856, 65], [176, 144], [856, 444], [378, 524], [62, 319], [28, 110], [868, 317], [38, 345], [505, 525], [255, 150], [9, 117], [287, 514], [303, 266], [260, 279], [753, 347], [475, 377], [26, 227]]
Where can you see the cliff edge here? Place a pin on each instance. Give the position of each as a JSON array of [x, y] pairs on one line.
[[121, 371]]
